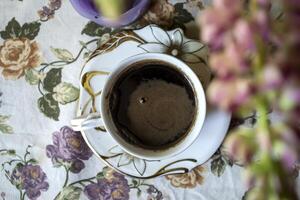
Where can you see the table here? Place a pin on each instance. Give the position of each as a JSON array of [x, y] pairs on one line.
[[43, 46]]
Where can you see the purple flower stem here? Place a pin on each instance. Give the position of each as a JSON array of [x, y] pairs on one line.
[[67, 176], [22, 195], [135, 187], [90, 180], [27, 153]]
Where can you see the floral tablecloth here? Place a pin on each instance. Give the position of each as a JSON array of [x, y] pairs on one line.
[[43, 46]]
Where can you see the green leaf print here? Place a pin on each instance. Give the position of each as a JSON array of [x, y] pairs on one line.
[[12, 30], [65, 93], [32, 161], [62, 54], [100, 175], [33, 77], [15, 30], [3, 118], [49, 106], [4, 128], [52, 79], [218, 166], [30, 30], [94, 30], [182, 15], [70, 193]]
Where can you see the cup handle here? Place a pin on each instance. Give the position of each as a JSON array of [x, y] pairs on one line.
[[85, 122]]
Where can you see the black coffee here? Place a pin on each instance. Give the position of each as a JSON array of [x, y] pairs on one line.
[[152, 105]]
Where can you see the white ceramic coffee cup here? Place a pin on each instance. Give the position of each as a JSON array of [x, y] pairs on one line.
[[104, 118]]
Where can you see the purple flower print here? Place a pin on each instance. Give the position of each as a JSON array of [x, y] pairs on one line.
[[69, 147], [47, 12], [54, 4], [30, 178], [100, 190], [114, 187], [154, 193]]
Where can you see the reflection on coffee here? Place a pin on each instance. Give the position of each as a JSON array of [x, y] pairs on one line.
[[152, 105]]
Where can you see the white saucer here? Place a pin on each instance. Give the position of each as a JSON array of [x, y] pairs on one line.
[[94, 74]]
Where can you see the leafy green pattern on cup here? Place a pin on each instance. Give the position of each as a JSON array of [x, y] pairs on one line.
[[140, 165]]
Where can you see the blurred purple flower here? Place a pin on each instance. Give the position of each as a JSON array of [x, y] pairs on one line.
[[286, 145], [69, 146], [289, 157], [114, 188], [30, 178]]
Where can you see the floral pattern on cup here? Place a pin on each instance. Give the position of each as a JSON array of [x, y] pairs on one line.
[[187, 180], [17, 55], [174, 43], [140, 165], [68, 149]]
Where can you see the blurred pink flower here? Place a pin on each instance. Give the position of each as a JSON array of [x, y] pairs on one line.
[[286, 154], [272, 77], [239, 146], [230, 6], [264, 141], [216, 20], [262, 24], [263, 3], [290, 98], [232, 61], [243, 35], [229, 94], [213, 28]]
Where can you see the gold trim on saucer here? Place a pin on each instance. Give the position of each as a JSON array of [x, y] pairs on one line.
[[160, 172]]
